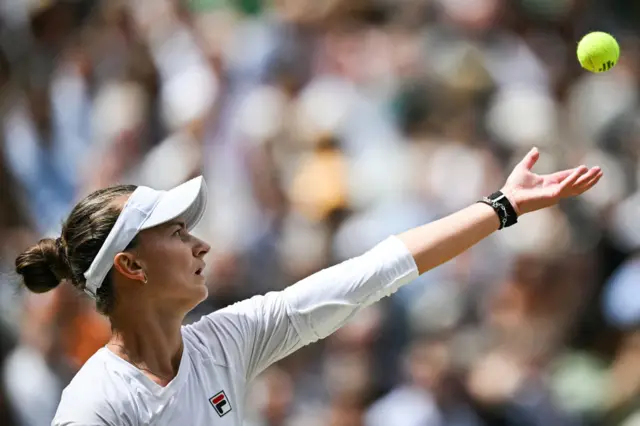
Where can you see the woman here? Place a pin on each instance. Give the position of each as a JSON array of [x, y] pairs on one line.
[[130, 249]]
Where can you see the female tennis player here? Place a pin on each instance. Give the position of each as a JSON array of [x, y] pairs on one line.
[[131, 250]]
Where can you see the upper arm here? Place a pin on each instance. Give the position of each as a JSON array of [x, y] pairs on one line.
[[250, 335]]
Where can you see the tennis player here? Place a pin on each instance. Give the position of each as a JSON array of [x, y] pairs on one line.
[[131, 250]]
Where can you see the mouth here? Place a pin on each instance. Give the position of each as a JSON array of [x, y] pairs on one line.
[[199, 271]]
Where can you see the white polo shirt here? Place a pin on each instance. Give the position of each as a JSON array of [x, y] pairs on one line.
[[226, 350]]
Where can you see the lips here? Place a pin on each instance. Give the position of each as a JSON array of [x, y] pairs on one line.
[[199, 271]]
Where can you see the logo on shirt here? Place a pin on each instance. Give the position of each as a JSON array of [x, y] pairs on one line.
[[220, 403]]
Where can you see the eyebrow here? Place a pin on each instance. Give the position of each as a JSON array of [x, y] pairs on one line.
[[176, 222]]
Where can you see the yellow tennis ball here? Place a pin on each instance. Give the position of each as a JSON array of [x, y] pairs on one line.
[[598, 52]]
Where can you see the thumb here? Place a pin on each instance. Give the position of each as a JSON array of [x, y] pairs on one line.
[[530, 159]]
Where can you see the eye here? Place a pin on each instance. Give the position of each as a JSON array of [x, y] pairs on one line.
[[180, 231]]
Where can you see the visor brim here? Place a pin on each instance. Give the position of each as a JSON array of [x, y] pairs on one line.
[[187, 202]]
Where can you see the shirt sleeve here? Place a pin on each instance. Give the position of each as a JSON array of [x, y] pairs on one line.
[[253, 334]]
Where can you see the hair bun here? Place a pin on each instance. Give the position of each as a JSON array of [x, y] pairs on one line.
[[44, 265]]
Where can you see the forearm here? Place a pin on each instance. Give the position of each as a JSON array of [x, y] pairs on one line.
[[323, 302], [438, 242], [312, 309]]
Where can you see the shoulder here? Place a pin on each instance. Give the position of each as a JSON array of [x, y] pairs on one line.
[[239, 321], [224, 333], [221, 329], [97, 395]]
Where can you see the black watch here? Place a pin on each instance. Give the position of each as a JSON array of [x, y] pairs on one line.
[[503, 208]]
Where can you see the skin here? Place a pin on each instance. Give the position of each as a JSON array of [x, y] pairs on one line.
[[438, 242], [156, 283]]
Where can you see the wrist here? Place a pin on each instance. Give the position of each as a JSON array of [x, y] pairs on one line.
[[502, 207], [510, 194]]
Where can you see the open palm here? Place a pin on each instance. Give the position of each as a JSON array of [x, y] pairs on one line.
[[529, 192]]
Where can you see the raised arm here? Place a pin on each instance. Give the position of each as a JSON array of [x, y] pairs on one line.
[[440, 241], [255, 333]]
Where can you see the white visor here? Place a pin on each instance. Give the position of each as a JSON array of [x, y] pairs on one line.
[[146, 208]]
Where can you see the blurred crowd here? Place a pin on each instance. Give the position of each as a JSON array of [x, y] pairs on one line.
[[322, 127]]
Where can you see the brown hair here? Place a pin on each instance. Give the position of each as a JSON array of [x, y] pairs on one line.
[[51, 261]]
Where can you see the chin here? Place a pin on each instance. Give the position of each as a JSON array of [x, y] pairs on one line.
[[204, 293], [194, 295], [201, 292]]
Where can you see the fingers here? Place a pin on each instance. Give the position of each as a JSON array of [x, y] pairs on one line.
[[590, 174], [570, 181], [530, 159], [588, 180], [558, 177]]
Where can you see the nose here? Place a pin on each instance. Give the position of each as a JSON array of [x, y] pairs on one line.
[[200, 248]]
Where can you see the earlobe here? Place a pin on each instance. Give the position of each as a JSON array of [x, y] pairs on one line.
[[127, 265]]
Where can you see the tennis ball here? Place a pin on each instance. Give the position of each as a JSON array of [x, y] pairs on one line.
[[598, 52]]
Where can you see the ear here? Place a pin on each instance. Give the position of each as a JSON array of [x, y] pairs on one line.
[[127, 265]]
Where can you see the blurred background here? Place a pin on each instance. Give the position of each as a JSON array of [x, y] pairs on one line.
[[322, 127]]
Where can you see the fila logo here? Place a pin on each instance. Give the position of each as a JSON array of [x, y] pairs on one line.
[[220, 403]]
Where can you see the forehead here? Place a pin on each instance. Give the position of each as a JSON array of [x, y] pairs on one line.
[[153, 239]]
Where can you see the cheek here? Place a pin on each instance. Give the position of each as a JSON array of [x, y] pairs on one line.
[[170, 266]]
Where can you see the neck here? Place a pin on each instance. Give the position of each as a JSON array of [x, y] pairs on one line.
[[149, 339]]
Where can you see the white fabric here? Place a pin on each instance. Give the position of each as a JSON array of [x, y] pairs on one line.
[[226, 350], [146, 208]]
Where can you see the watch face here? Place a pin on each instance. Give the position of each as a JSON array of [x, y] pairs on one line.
[[497, 196]]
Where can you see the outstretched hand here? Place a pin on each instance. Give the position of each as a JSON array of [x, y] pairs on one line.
[[529, 192]]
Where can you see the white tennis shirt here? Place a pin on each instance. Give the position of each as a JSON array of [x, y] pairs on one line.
[[224, 351]]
